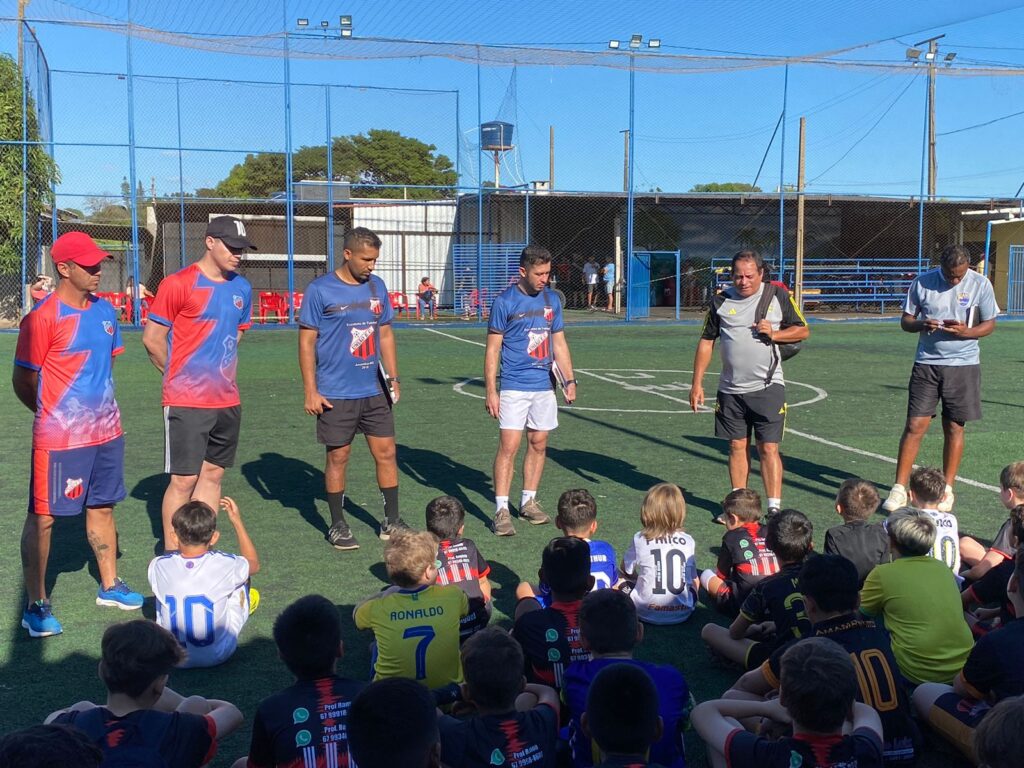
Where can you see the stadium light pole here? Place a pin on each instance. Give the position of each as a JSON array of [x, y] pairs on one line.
[[931, 59]]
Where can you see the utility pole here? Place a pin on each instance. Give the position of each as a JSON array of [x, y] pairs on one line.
[[22, 5], [798, 281], [933, 52], [625, 162]]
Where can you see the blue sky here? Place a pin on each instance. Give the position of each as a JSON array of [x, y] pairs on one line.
[[865, 126]]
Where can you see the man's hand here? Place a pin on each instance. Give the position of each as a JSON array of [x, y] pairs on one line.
[[764, 328], [493, 403], [930, 324], [396, 392], [230, 507], [316, 404], [954, 327], [570, 393], [696, 397]]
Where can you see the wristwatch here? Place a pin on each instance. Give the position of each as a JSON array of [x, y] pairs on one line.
[[569, 381], [395, 379]]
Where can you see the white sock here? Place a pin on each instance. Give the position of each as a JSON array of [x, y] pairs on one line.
[[500, 503], [777, 503], [527, 496]]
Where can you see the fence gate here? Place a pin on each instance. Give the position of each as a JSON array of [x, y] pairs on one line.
[[638, 294], [1015, 283]]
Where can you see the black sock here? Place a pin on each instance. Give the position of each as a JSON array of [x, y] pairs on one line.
[[336, 503], [390, 503]]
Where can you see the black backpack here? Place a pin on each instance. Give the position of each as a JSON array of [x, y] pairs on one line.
[[781, 351]]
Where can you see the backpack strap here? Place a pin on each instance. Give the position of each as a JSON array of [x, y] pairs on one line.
[[768, 292]]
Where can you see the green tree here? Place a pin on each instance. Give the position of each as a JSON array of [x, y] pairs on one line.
[[728, 186], [41, 171]]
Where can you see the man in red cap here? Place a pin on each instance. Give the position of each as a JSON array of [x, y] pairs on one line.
[[195, 324], [63, 372]]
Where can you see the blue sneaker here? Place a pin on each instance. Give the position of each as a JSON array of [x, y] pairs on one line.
[[120, 595], [39, 620]]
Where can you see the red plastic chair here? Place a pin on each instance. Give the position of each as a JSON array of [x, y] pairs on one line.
[[272, 303], [297, 303], [399, 302]]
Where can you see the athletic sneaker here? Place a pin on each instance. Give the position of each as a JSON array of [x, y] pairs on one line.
[[254, 600], [120, 595], [772, 512], [719, 519], [340, 536], [39, 620], [502, 523], [946, 502], [533, 514], [897, 498], [387, 528]]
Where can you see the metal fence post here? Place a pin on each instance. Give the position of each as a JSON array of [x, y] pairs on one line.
[[136, 298]]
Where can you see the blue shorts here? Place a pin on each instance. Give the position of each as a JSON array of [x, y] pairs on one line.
[[64, 482]]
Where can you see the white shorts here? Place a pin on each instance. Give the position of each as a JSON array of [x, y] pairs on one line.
[[532, 410], [592, 280]]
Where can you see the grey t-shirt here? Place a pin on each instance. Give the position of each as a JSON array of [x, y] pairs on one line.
[[931, 297], [746, 359]]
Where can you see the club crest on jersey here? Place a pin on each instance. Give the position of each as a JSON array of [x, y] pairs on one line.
[[963, 299], [538, 345], [363, 343], [549, 314], [108, 327], [237, 301], [375, 306], [74, 488]]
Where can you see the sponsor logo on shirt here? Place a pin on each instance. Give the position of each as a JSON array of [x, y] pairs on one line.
[[375, 306], [549, 314], [108, 327], [237, 301], [74, 488], [963, 299]]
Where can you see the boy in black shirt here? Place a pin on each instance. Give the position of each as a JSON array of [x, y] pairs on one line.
[[515, 721], [308, 721], [862, 543], [622, 716], [775, 600]]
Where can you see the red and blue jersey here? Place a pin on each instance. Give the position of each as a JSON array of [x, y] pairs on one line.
[[205, 317], [73, 352], [526, 324]]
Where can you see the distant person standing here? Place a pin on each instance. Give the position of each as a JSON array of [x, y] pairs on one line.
[[195, 325], [524, 336], [63, 373], [344, 336], [950, 308], [590, 271], [608, 272]]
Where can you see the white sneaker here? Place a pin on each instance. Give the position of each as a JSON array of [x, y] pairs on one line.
[[897, 498], [946, 502]]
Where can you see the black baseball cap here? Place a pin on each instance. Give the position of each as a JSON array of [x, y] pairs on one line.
[[231, 231]]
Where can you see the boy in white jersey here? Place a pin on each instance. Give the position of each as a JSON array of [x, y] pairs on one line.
[[202, 595], [927, 486]]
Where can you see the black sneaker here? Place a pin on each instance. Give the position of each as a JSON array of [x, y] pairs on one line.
[[388, 527], [340, 536], [772, 512]]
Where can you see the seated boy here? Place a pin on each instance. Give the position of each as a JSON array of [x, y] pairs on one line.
[[460, 561], [610, 629], [863, 543], [393, 723], [774, 610], [1004, 546], [550, 636], [744, 558], [993, 672], [621, 716], [48, 746], [927, 485], [514, 721], [415, 622], [830, 589], [918, 599], [308, 638], [817, 695], [999, 740], [577, 517], [203, 596], [986, 599], [143, 719]]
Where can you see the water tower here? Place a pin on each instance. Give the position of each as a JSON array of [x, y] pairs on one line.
[[496, 137]]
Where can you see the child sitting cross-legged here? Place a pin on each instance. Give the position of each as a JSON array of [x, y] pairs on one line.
[[622, 718]]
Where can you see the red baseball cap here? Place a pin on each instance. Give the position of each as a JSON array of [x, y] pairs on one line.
[[79, 248]]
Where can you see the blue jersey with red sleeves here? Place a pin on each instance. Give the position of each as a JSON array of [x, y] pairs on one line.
[[73, 352], [526, 324], [205, 317], [346, 318]]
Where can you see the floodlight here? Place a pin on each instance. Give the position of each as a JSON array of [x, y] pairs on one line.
[[346, 32], [913, 54], [950, 57], [346, 21], [303, 22], [325, 24], [654, 43], [613, 44], [635, 41], [929, 56]]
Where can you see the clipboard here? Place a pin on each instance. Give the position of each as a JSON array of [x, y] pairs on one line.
[[385, 385], [558, 379]]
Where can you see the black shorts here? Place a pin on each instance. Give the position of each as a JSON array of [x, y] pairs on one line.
[[195, 435], [763, 411], [958, 386], [368, 416]]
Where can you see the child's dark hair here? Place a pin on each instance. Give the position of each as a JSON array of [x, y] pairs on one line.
[[911, 531], [857, 498], [744, 504], [445, 516], [194, 523], [492, 662], [134, 654], [392, 722], [1012, 478], [818, 684], [576, 510], [1017, 523], [790, 535], [831, 581], [622, 710], [49, 746], [566, 565], [928, 484], [608, 621], [308, 635], [999, 738]]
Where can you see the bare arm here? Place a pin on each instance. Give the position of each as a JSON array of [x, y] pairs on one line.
[[701, 361], [784, 335], [564, 360], [738, 628], [245, 545], [754, 682], [983, 566], [716, 720], [485, 588], [492, 359], [534, 695], [866, 717], [961, 331], [389, 353], [315, 403], [225, 715], [154, 339], [80, 706], [26, 385], [912, 324]]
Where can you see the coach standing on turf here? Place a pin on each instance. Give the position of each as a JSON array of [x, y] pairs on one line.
[[751, 390], [950, 308], [195, 325], [344, 330], [524, 336]]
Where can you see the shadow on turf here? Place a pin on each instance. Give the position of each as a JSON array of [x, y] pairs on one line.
[[439, 471]]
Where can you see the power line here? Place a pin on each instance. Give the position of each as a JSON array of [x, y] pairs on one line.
[[982, 125]]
